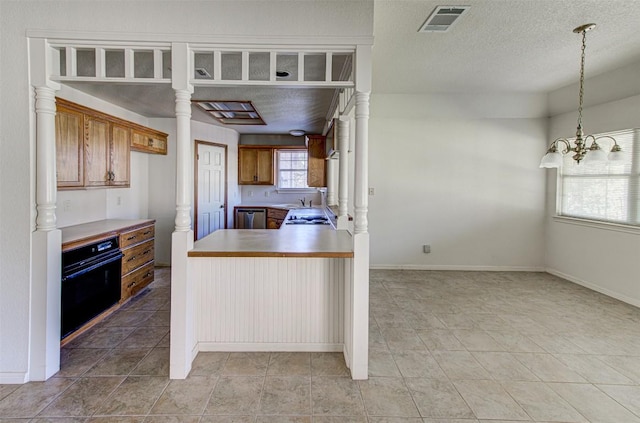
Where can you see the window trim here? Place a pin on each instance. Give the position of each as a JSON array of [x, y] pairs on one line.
[[597, 224]]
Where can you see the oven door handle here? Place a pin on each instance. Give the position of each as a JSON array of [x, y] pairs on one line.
[[94, 266]]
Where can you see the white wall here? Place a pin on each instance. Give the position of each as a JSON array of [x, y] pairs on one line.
[[601, 257], [459, 173], [17, 142]]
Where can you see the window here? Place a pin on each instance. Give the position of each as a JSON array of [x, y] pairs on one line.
[[609, 191], [292, 169]]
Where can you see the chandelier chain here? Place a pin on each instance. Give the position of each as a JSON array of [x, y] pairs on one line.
[[584, 47]]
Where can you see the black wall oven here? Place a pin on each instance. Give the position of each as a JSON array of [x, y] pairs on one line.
[[90, 282]]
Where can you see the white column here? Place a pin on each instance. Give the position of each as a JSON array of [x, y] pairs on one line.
[[343, 171], [183, 341], [331, 182], [184, 159], [46, 188], [361, 199], [46, 245], [360, 279]]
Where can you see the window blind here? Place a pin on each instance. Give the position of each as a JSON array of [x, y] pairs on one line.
[[608, 191]]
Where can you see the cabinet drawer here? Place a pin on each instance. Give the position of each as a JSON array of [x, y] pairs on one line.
[[277, 213], [137, 236], [137, 256], [135, 281]]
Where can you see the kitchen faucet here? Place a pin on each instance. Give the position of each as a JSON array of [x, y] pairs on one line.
[[302, 200]]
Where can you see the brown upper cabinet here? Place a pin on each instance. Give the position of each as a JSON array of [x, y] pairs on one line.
[[119, 160], [316, 172], [106, 153], [148, 141], [255, 166], [69, 147], [93, 148]]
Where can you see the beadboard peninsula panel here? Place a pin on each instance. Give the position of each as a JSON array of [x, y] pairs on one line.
[[287, 304]]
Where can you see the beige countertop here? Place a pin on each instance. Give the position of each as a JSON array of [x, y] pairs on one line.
[[77, 235], [289, 241]]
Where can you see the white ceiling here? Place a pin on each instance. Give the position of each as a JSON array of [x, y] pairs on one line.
[[496, 46], [500, 45]]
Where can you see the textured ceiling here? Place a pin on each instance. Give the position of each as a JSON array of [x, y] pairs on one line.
[[500, 45], [281, 108], [496, 46]]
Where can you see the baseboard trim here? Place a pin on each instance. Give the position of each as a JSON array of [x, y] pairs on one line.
[[593, 287], [465, 268], [13, 378], [268, 347]]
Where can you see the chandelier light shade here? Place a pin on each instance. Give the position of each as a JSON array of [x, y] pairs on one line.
[[561, 146]]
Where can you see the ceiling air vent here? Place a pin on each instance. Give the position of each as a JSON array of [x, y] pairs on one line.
[[442, 18]]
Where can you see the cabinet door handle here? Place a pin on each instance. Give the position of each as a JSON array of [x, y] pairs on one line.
[[131, 258], [146, 252], [131, 237], [146, 233]]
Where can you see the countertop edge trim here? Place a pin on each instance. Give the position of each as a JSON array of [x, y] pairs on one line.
[[71, 245]]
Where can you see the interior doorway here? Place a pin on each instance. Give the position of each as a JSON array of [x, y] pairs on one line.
[[210, 182]]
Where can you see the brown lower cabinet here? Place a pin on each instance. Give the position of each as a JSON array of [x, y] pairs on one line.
[[275, 218], [138, 260]]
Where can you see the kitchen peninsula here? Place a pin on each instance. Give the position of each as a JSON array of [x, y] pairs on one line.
[[272, 290]]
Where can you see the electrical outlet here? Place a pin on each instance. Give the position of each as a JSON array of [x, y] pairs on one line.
[[118, 200], [372, 191], [66, 205], [250, 193], [266, 193], [426, 248]]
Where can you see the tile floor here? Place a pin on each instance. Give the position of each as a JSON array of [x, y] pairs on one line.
[[445, 347]]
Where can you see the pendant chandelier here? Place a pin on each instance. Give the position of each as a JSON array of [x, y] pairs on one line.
[[553, 158]]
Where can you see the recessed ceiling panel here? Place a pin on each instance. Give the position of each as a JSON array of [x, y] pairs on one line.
[[236, 112]]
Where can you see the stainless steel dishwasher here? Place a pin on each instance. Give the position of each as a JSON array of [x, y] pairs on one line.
[[251, 218]]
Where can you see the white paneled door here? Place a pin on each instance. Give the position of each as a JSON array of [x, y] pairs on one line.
[[211, 188]]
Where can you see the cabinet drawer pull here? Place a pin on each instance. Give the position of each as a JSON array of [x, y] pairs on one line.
[[131, 237], [149, 274], [131, 258], [132, 284], [146, 233], [146, 252]]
